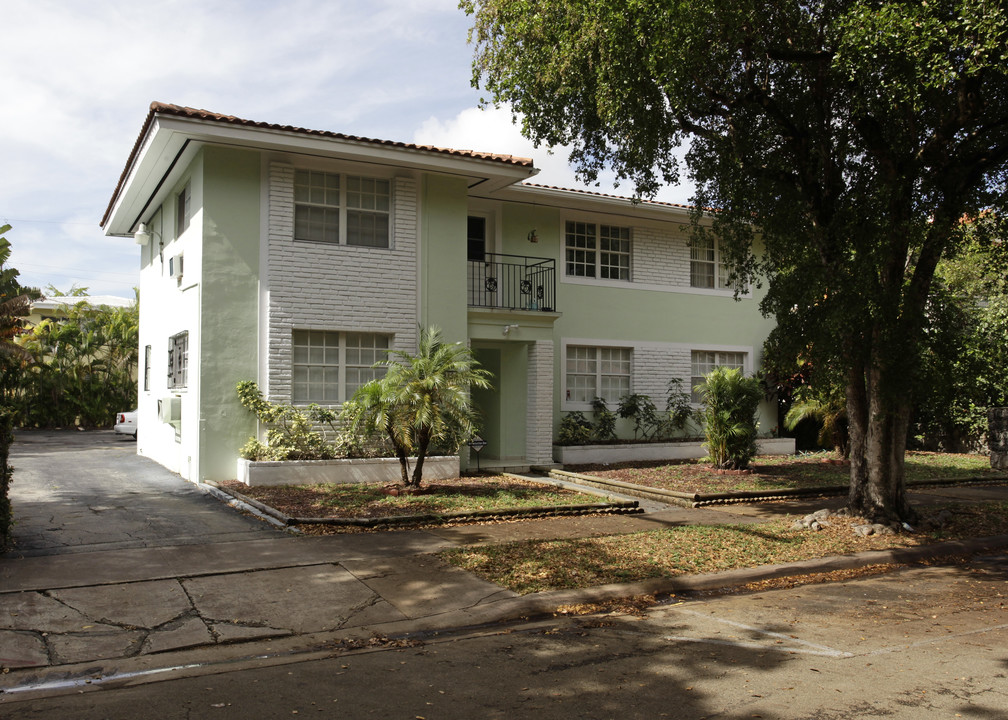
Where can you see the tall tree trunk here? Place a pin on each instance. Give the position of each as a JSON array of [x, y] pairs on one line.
[[879, 419]]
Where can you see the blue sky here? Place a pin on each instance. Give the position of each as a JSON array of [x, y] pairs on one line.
[[79, 77]]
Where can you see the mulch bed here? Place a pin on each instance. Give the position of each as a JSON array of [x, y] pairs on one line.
[[765, 474], [475, 493]]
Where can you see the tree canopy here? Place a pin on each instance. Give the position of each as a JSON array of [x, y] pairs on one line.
[[842, 143]]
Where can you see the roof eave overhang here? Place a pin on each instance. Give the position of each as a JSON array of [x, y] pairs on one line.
[[171, 141], [593, 202]]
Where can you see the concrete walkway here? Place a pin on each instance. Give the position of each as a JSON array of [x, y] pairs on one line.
[[103, 610]]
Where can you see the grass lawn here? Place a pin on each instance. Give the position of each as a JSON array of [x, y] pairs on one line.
[[371, 501], [781, 471], [533, 566]]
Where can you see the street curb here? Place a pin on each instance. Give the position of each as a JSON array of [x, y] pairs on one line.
[[25, 684]]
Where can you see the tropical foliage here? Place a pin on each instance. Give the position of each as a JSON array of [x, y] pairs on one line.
[[422, 401], [14, 303], [83, 367], [730, 403], [842, 143]]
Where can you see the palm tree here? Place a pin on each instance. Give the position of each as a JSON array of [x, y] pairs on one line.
[[423, 400], [15, 302]]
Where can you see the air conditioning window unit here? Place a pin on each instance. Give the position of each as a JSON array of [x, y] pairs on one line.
[[170, 410], [175, 266]]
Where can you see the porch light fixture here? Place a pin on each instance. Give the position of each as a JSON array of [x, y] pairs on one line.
[[509, 328], [142, 235], [532, 236]]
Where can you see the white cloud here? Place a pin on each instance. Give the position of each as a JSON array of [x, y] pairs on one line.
[[492, 130]]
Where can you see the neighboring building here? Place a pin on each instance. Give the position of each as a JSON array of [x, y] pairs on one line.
[[54, 308], [296, 258]]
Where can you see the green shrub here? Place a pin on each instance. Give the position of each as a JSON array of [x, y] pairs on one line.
[[639, 408], [575, 429], [729, 415], [604, 429], [678, 410], [291, 432]]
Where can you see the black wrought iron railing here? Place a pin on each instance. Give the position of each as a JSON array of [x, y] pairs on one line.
[[514, 282]]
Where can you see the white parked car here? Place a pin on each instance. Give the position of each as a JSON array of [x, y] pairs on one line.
[[126, 423]]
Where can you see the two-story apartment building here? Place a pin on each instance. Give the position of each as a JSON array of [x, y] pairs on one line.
[[296, 257]]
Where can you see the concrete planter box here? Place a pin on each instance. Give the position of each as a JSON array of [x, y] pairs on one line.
[[356, 470], [645, 452]]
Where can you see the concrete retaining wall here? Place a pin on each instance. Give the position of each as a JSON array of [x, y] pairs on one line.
[[356, 470]]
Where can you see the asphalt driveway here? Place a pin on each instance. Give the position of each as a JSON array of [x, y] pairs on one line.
[[86, 491]]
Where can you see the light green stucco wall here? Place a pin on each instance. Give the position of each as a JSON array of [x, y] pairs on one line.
[[443, 255], [593, 311], [228, 304]]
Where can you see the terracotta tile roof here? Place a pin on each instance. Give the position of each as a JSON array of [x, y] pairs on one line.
[[158, 108], [660, 203]]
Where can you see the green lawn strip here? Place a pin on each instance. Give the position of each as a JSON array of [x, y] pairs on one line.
[[788, 472], [369, 500], [537, 565]]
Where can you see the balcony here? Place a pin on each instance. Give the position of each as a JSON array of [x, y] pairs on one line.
[[512, 282]]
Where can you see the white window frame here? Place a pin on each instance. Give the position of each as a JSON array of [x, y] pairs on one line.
[[721, 358], [341, 351], [598, 236], [593, 353], [351, 201], [714, 267]]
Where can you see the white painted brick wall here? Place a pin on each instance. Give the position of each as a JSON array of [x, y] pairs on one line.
[[654, 366], [320, 286], [661, 256], [539, 406]]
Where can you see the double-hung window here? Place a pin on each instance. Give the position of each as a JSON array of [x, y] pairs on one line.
[[597, 372], [178, 360], [707, 269], [703, 361], [597, 251], [342, 209], [328, 367]]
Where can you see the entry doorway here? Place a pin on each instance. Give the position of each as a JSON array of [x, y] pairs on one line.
[[502, 407]]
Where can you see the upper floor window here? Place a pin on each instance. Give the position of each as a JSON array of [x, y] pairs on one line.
[[147, 358], [341, 209], [707, 269], [703, 361], [178, 360], [597, 372], [329, 367], [183, 210], [597, 251]]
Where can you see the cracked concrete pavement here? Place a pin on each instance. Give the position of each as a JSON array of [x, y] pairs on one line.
[[121, 565]]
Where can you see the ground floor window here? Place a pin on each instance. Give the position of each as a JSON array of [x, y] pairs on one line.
[[178, 360], [329, 366], [703, 361], [597, 372]]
